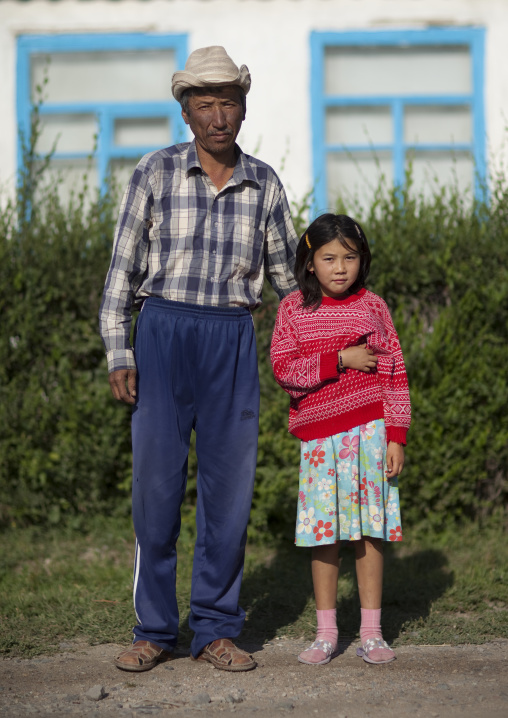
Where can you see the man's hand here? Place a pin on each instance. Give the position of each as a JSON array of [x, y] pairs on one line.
[[123, 385], [359, 357], [394, 459]]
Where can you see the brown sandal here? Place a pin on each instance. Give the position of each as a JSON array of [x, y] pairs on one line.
[[142, 656], [224, 655]]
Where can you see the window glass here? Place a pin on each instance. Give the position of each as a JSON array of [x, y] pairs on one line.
[[120, 76], [358, 125], [355, 176], [437, 123], [416, 70], [71, 133], [121, 171], [431, 170], [132, 132], [69, 177]]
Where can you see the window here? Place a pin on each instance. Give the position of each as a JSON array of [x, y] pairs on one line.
[[107, 99], [384, 101]]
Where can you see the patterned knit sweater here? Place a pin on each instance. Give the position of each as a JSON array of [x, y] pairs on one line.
[[304, 359]]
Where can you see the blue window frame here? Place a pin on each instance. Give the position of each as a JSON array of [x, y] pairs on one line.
[[389, 109], [108, 114]]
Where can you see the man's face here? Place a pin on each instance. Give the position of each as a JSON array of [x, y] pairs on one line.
[[215, 117]]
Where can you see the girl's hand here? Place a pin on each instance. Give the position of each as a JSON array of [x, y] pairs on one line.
[[394, 459], [359, 357]]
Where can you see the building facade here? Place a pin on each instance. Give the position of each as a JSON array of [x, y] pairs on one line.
[[343, 91]]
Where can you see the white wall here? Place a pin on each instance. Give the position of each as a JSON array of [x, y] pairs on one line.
[[272, 38]]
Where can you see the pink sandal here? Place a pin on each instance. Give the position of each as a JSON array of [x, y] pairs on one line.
[[318, 653], [376, 650]]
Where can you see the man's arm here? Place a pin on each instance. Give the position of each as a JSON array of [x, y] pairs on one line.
[[128, 266], [123, 385], [280, 245]]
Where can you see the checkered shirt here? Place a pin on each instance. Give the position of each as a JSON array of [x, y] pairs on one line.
[[179, 238]]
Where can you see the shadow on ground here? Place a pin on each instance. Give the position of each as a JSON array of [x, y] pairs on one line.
[[278, 594]]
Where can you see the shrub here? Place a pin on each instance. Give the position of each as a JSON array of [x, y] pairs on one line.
[[441, 265], [64, 446]]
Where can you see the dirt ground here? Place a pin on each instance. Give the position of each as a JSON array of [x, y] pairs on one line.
[[431, 681]]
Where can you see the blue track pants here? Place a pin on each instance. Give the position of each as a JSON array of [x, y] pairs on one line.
[[197, 368]]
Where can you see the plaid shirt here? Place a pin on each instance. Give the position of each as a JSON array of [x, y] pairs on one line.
[[179, 238]]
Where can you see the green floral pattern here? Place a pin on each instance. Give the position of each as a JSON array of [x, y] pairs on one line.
[[344, 493]]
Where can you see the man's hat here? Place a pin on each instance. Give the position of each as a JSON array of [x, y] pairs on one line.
[[209, 67]]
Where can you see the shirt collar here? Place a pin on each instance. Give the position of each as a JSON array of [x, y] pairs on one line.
[[192, 157], [243, 170]]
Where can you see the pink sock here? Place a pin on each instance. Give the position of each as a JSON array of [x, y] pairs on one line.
[[371, 628], [326, 631], [371, 624], [327, 626]]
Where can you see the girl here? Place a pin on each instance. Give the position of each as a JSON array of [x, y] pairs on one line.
[[336, 352]]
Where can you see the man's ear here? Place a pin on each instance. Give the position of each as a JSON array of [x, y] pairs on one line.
[[185, 117]]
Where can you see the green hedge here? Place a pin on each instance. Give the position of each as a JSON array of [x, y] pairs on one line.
[[441, 264], [65, 443]]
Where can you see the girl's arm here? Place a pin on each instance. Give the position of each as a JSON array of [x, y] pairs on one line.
[[297, 374], [394, 459], [392, 376], [359, 357]]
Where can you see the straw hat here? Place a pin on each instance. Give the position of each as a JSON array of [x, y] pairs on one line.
[[209, 66]]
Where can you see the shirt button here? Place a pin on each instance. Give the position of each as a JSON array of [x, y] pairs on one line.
[[214, 252], [215, 224]]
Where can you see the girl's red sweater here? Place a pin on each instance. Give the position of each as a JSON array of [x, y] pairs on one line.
[[304, 350]]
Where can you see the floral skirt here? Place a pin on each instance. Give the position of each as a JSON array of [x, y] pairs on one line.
[[344, 493]]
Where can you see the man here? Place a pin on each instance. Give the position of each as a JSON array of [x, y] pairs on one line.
[[199, 223]]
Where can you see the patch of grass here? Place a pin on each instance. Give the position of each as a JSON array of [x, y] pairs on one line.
[[473, 607], [452, 589], [58, 585]]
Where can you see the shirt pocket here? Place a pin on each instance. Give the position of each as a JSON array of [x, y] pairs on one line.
[[243, 246]]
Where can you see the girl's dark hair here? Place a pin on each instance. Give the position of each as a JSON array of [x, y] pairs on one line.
[[323, 230]]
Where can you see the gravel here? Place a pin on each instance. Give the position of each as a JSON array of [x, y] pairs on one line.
[[463, 681]]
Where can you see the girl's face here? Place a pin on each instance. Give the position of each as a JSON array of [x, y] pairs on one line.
[[336, 268]]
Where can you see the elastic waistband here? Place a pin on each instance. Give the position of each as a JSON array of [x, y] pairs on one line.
[[196, 310]]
